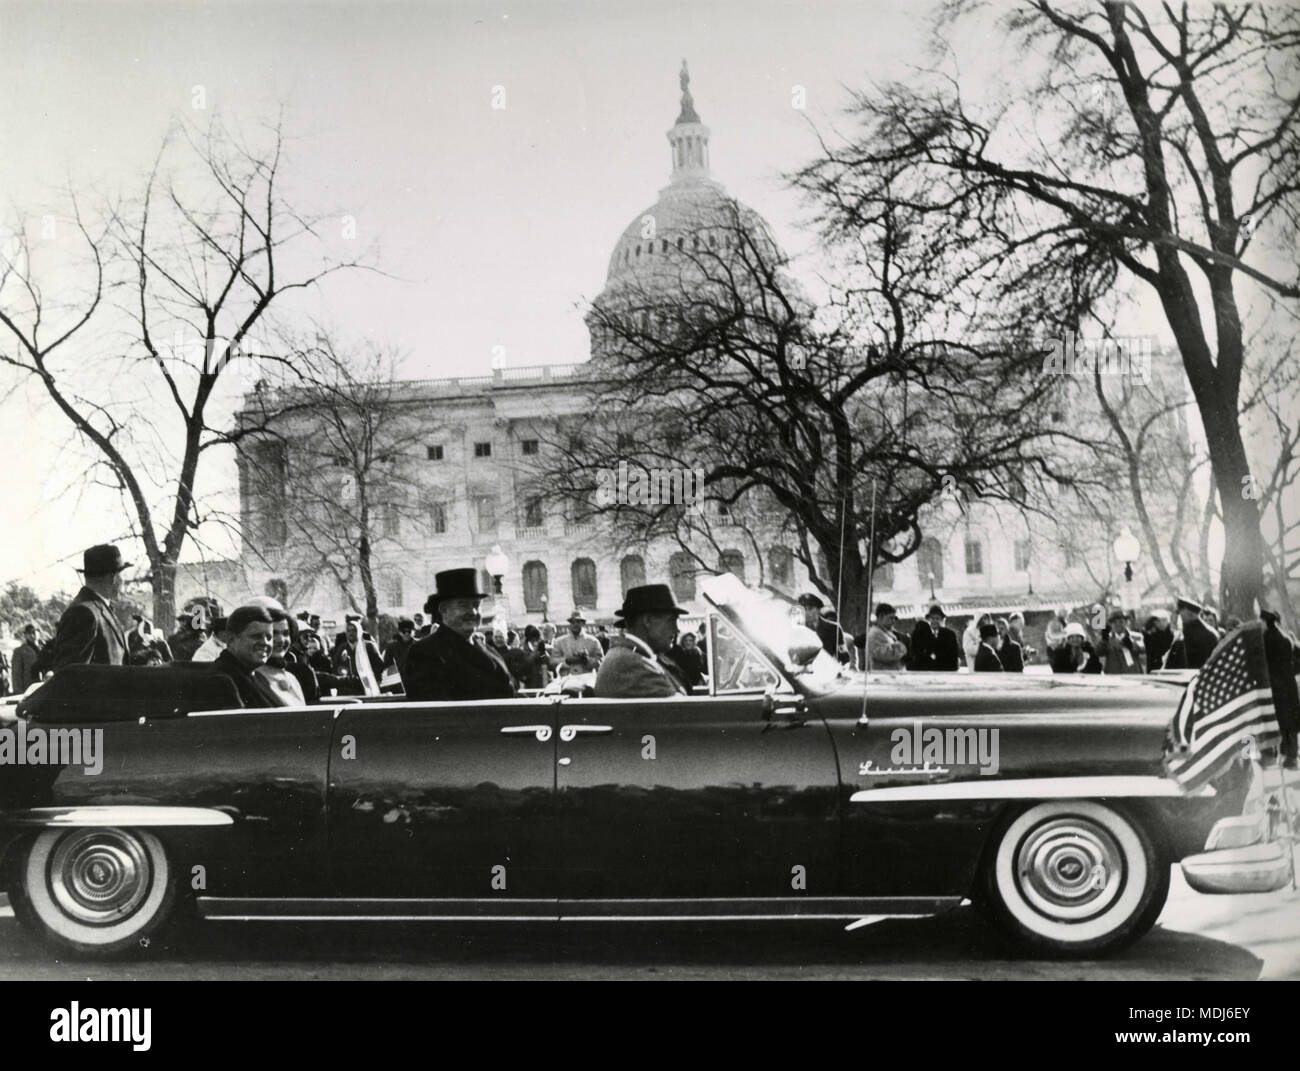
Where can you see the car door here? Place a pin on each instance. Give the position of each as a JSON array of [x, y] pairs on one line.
[[447, 801], [723, 796]]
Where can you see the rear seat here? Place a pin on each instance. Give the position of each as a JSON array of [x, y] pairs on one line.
[[82, 694]]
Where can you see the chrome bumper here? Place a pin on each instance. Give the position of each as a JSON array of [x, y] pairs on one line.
[[1247, 853]]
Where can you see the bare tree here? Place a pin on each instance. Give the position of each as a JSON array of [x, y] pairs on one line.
[[328, 464], [167, 301], [840, 422], [1175, 148]]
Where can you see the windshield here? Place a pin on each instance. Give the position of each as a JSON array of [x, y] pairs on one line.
[[768, 623]]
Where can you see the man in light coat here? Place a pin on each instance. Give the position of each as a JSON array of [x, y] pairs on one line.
[[635, 666], [885, 651], [581, 651]]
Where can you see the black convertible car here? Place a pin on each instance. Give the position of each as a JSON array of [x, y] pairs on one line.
[[791, 790]]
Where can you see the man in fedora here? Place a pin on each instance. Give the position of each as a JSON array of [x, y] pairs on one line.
[[581, 652], [934, 645], [88, 632], [634, 667], [447, 665]]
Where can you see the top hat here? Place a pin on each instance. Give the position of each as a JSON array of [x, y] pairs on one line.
[[1188, 604], [102, 558], [809, 599], [454, 584], [648, 599]]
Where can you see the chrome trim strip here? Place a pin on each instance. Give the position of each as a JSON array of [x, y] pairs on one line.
[[303, 909], [132, 814], [1029, 788]]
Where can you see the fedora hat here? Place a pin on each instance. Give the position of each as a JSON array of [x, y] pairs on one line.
[[648, 599], [577, 616], [1189, 605], [102, 558], [454, 584]]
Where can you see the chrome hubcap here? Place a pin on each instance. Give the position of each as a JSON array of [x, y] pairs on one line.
[[1070, 868], [98, 876]]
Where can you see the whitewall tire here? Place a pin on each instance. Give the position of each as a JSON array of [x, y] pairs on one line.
[[95, 891], [1074, 877]]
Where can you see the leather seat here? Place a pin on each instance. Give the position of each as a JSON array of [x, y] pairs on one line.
[[90, 693]]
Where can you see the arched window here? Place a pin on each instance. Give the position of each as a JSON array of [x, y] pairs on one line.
[[681, 573], [780, 563], [536, 587], [732, 561], [929, 559], [279, 591], [583, 575], [631, 572]]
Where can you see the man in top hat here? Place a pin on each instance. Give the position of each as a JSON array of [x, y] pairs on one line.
[[634, 667], [581, 652], [1193, 647], [446, 665], [88, 632], [934, 644]]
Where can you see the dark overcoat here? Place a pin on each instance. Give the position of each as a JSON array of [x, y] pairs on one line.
[[445, 666]]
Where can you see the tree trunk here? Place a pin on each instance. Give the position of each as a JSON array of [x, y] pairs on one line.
[[368, 582], [1241, 578], [164, 593]]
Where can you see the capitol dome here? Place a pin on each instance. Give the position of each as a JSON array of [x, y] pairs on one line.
[[693, 215]]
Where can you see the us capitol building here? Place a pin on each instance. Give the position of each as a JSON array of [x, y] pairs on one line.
[[451, 486]]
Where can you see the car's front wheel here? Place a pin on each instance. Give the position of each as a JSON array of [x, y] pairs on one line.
[[1074, 877], [96, 891]]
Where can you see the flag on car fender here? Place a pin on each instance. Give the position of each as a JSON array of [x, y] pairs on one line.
[[1227, 711]]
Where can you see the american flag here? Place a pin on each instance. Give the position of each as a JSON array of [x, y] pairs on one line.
[[1226, 711]]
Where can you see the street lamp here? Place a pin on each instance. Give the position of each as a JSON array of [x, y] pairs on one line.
[[1127, 549], [497, 564]]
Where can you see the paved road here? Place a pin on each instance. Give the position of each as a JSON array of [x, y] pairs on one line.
[[1198, 937]]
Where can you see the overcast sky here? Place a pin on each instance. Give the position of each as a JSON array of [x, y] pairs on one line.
[[495, 224]]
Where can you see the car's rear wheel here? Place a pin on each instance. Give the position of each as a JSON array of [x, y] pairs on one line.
[[1074, 877], [98, 891]]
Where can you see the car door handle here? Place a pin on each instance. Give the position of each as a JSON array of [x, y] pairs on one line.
[[542, 732], [569, 732]]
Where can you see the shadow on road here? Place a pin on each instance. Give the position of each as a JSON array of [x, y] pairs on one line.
[[954, 946]]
